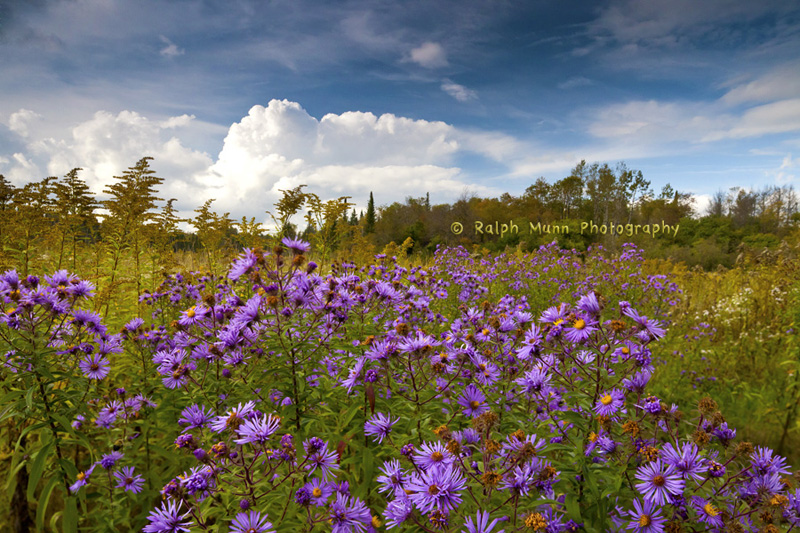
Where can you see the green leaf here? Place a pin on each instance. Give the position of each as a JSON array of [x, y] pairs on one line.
[[70, 522], [44, 500], [37, 469]]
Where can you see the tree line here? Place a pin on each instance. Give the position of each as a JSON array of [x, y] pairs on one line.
[[133, 236]]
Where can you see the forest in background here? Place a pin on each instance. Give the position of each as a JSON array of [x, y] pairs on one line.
[[59, 223]]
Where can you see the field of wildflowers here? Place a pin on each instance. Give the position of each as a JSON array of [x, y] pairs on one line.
[[544, 392]]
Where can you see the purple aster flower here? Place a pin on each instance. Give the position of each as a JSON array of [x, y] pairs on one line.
[[554, 315], [589, 304], [193, 315], [535, 383], [582, 328], [95, 366], [243, 264], [707, 513], [609, 403], [652, 405], [379, 425], [347, 516], [686, 461], [83, 479], [233, 418], [295, 245], [638, 381], [436, 489], [658, 481], [397, 511], [324, 460], [302, 497], [195, 416], [110, 459], [433, 455], [764, 462], [134, 324], [481, 524], [126, 480], [258, 430], [724, 433], [473, 401], [393, 478], [651, 328], [645, 518], [319, 491], [251, 522], [168, 519]]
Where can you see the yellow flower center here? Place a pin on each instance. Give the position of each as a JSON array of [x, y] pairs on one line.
[[710, 509], [190, 312], [474, 404], [659, 481], [645, 520], [81, 476], [626, 350], [433, 490], [437, 456], [317, 492], [559, 321], [607, 399], [579, 324], [375, 522]]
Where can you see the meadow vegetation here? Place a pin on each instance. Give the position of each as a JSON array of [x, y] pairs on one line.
[[336, 378]]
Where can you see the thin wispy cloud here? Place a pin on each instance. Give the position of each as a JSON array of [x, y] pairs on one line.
[[171, 49]]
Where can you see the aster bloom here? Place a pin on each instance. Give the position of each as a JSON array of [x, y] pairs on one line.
[[251, 522], [83, 479], [324, 460], [609, 403], [473, 401], [195, 416], [393, 478], [95, 366], [764, 462], [347, 516], [397, 511], [658, 482], [110, 459], [126, 480], [233, 418], [319, 491], [296, 246], [433, 455], [535, 382], [481, 524], [707, 512], [650, 329], [193, 315], [437, 489], [686, 460], [582, 327], [243, 264], [645, 518], [380, 426], [168, 519], [258, 429]]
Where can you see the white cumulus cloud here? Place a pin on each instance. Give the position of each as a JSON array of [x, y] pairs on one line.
[[429, 55]]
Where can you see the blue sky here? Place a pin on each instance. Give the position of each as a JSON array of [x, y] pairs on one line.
[[238, 99]]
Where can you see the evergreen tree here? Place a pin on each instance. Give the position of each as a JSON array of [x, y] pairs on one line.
[[370, 224]]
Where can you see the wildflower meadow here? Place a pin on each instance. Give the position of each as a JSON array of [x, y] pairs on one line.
[[550, 391]]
